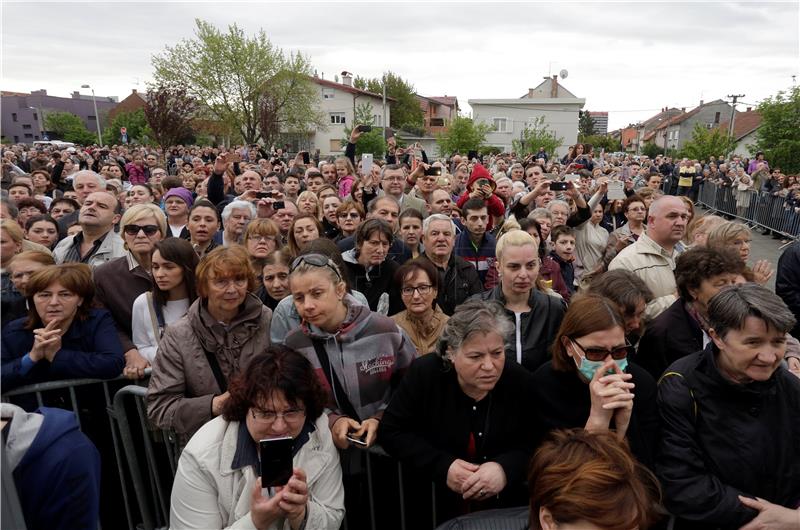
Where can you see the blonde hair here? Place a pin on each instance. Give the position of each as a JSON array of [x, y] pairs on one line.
[[13, 229], [515, 238], [138, 212], [725, 233], [318, 208]]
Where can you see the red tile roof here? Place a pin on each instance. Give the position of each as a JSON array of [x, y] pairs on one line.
[[744, 124], [350, 89]]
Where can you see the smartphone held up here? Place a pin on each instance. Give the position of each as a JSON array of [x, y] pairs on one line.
[[276, 462]]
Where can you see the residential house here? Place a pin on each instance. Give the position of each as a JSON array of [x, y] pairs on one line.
[[338, 103], [510, 117], [132, 103], [645, 130], [22, 116], [438, 111], [678, 130], [745, 127]]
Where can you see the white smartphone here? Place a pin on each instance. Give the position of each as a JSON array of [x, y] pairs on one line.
[[366, 164]]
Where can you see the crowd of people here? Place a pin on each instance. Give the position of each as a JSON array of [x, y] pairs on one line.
[[573, 335]]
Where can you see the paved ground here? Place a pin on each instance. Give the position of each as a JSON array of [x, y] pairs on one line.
[[764, 247]]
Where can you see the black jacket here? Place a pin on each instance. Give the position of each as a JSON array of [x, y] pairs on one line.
[[458, 282], [380, 280], [787, 282], [398, 251], [720, 439], [538, 327], [565, 403], [427, 426], [671, 335]]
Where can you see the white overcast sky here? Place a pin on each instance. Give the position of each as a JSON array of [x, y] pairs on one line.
[[630, 59]]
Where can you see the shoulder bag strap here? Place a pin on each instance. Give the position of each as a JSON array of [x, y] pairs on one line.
[[216, 370], [338, 391], [157, 323]]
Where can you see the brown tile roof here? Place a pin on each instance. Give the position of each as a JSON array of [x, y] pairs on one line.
[[350, 89], [8, 93], [744, 124]]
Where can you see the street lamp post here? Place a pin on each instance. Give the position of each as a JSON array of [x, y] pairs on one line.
[[96, 117]]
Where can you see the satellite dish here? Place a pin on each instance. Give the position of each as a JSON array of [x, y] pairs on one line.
[[563, 74]]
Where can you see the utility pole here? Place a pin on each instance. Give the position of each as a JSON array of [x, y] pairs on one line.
[[733, 111]]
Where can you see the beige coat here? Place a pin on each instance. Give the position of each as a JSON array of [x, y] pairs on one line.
[[208, 494], [424, 334], [182, 384]]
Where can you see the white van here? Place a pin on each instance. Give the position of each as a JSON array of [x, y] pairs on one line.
[[58, 144]]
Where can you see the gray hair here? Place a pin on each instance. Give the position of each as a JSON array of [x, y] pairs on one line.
[[557, 202], [392, 167], [13, 211], [238, 205], [474, 316], [730, 308], [537, 213], [426, 223], [100, 180]]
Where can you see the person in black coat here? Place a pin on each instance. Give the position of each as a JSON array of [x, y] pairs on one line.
[[729, 440], [465, 418], [535, 315], [787, 282], [682, 329], [590, 383]]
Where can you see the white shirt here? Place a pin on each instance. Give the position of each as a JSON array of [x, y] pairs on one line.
[[144, 336], [176, 230]]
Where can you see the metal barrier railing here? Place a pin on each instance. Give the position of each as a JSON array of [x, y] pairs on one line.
[[763, 210]]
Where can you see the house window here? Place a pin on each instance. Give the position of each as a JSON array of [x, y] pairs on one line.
[[16, 139], [35, 117], [28, 135], [328, 93], [676, 135], [13, 116], [92, 118], [26, 126], [437, 122], [500, 124], [336, 145], [376, 120], [716, 117], [337, 118]]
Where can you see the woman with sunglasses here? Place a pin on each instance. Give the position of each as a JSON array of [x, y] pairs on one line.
[[350, 214], [590, 382], [224, 329], [120, 281]]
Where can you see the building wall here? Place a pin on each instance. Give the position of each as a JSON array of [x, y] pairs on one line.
[[131, 103], [561, 118], [27, 129], [741, 146], [600, 122], [328, 141], [707, 114]]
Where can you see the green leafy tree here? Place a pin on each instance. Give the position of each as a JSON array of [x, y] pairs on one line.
[[585, 123], [706, 142], [463, 135], [68, 127], [135, 124], [371, 142], [651, 150], [406, 112], [231, 74], [779, 134], [536, 135], [601, 141]]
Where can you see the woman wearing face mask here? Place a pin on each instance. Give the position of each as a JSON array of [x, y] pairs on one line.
[[589, 382], [172, 265]]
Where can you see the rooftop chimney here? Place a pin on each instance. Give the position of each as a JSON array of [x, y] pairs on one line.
[[76, 95], [347, 78], [749, 109], [134, 91], [683, 109], [530, 93], [554, 87], [701, 102]]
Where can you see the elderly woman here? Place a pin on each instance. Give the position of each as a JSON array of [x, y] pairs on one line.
[[120, 281], [368, 269], [423, 320], [62, 337], [465, 417], [729, 430], [535, 316], [736, 235], [697, 231], [217, 483], [305, 228], [308, 203], [581, 479], [225, 328], [590, 382], [682, 329], [19, 269]]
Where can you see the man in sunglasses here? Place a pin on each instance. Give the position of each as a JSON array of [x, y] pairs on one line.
[[97, 242]]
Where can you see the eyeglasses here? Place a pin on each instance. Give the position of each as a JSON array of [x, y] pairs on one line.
[[599, 354], [394, 179], [315, 260], [351, 215], [421, 289], [148, 230], [223, 283], [269, 416], [268, 239]]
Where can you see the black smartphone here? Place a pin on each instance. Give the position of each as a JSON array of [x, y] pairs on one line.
[[559, 186], [364, 128], [434, 171], [306, 158], [276, 461], [482, 182], [278, 205], [265, 194]]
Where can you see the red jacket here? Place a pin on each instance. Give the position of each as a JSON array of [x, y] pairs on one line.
[[494, 204]]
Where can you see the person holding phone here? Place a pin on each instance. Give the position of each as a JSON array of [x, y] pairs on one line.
[[277, 399]]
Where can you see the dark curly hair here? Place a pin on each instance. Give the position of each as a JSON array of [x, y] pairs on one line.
[[703, 263], [278, 369]]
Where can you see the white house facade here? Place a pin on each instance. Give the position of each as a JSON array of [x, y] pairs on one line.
[[510, 117]]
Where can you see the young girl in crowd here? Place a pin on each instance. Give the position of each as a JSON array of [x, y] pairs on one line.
[[172, 264]]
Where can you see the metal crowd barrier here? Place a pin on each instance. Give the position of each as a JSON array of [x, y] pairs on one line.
[[764, 210]]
